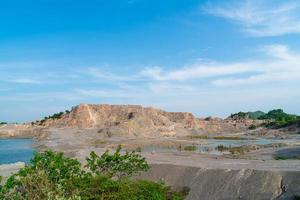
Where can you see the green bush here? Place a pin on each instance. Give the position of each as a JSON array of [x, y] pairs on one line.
[[49, 174], [222, 148], [190, 148], [103, 187], [52, 176], [117, 165]]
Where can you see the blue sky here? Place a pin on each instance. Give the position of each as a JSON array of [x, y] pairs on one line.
[[207, 57]]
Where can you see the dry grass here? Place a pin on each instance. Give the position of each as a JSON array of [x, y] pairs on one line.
[[99, 142], [227, 138], [216, 137], [199, 137]]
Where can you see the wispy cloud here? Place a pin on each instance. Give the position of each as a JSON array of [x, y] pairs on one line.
[[101, 74], [25, 81], [280, 64], [197, 71], [261, 18], [168, 88]]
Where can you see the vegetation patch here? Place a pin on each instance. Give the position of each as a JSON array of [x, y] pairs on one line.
[[247, 115], [279, 119], [199, 137], [227, 138], [252, 127], [235, 150], [99, 142], [51, 117], [53, 176], [282, 157], [276, 118], [222, 148], [216, 137], [190, 148], [2, 123]]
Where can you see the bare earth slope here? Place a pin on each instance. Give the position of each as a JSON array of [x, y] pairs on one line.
[[134, 120]]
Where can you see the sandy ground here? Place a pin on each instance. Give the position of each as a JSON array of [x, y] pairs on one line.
[[208, 162], [79, 143], [209, 176], [8, 169]]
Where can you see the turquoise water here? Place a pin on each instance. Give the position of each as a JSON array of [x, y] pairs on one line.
[[15, 150]]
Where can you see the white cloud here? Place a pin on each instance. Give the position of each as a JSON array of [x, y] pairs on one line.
[[105, 75], [280, 65], [261, 18], [197, 71], [104, 93], [25, 81], [167, 88]]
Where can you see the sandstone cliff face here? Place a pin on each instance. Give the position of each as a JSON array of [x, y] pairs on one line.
[[136, 120]]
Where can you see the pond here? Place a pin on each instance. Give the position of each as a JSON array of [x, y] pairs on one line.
[[209, 145], [16, 150]]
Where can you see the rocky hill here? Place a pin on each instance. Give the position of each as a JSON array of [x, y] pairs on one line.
[[135, 120]]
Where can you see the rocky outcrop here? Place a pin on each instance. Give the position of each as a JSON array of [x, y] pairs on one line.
[[136, 120], [221, 184]]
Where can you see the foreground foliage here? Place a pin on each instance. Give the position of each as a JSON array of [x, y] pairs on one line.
[[117, 165], [52, 176]]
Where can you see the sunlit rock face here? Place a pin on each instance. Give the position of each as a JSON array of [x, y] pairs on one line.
[[137, 120]]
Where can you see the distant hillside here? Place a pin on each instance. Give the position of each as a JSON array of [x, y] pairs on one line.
[[278, 114], [247, 115], [255, 115], [2, 123], [278, 119]]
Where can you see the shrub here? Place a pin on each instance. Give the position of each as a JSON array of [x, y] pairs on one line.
[[48, 174], [282, 157], [190, 148], [117, 165], [52, 176], [252, 127], [222, 148], [103, 187]]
